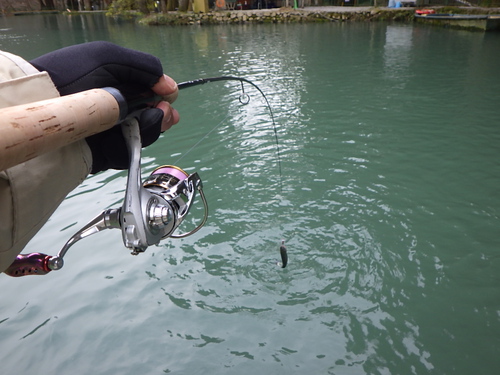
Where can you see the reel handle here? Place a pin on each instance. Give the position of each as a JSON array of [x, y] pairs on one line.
[[29, 264]]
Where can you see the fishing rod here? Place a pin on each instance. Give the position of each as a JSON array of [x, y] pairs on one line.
[[152, 210]]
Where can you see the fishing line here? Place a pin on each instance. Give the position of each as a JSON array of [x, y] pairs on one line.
[[244, 99], [201, 139]]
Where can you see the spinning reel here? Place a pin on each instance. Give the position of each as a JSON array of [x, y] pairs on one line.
[[151, 210]]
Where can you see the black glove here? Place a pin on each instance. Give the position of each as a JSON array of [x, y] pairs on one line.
[[103, 64]]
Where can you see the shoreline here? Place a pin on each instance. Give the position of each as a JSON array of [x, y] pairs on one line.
[[300, 15]]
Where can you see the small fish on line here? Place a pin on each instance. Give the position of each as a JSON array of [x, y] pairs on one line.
[[284, 255]]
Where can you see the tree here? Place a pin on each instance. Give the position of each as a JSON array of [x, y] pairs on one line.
[[47, 5], [143, 6]]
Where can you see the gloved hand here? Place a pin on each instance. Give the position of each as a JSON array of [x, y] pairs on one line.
[[103, 64]]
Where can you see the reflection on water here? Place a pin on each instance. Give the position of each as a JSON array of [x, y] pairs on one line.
[[397, 52], [389, 210]]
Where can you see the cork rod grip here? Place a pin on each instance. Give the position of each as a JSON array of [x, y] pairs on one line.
[[29, 130]]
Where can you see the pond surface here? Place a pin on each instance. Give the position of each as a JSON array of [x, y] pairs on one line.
[[389, 137]]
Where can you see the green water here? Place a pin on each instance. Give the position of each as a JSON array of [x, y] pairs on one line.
[[389, 137]]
